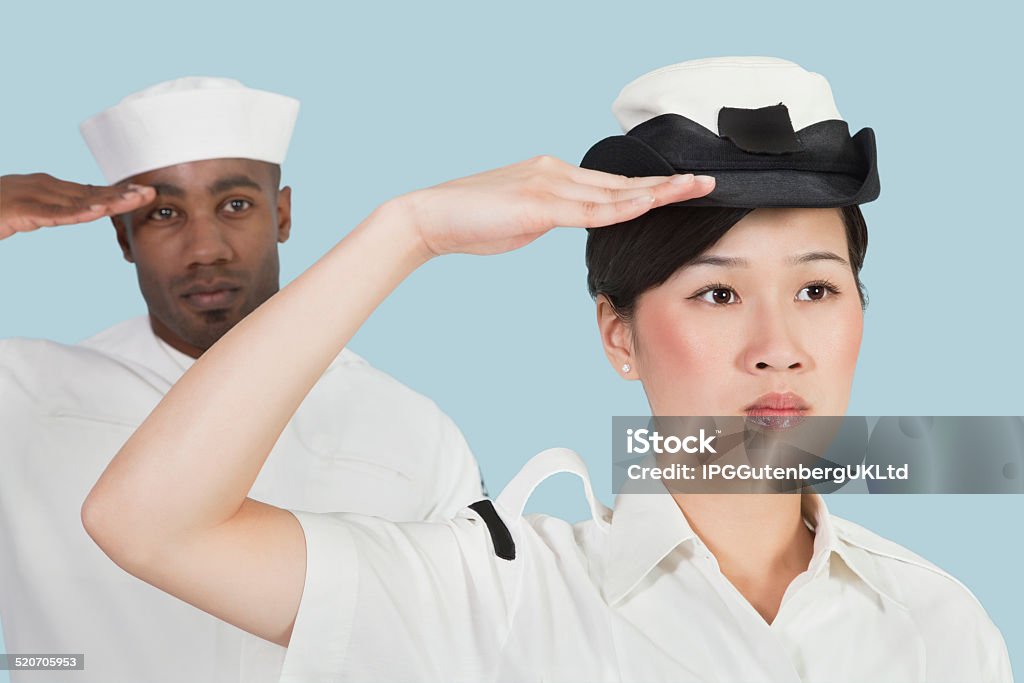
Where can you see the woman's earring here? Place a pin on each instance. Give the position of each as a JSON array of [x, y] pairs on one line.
[[626, 367]]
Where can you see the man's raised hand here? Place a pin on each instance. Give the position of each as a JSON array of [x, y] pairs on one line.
[[37, 200]]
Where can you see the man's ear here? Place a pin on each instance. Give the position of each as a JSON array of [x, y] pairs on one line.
[[121, 227], [617, 338], [284, 213]]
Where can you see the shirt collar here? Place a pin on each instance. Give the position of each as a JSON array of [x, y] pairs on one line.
[[134, 340], [182, 360], [646, 527], [839, 538]]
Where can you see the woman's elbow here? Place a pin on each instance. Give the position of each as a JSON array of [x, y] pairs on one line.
[[110, 526]]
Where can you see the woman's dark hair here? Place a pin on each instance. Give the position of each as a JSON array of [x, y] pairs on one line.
[[626, 260]]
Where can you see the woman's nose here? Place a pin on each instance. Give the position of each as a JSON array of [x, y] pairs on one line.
[[776, 344]]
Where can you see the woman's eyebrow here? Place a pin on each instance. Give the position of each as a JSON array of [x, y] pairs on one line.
[[817, 256], [736, 262], [724, 261]]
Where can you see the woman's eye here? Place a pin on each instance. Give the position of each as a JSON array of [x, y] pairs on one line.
[[815, 292], [236, 205], [720, 295], [162, 214]]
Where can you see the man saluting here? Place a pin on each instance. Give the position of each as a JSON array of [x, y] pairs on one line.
[[195, 199]]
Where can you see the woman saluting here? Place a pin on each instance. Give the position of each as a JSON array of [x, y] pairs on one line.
[[746, 301]]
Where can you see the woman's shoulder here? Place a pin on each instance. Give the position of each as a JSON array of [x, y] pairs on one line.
[[910, 578], [949, 616]]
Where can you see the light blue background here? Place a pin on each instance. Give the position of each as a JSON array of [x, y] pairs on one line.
[[399, 96]]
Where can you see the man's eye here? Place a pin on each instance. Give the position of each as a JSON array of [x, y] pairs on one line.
[[236, 205], [162, 214], [719, 295]]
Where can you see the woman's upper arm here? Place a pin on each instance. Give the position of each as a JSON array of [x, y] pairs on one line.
[[249, 571]]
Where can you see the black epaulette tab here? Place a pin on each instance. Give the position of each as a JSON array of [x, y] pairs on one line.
[[504, 546]]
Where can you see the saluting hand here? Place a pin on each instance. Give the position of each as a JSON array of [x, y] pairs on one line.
[[507, 208], [38, 200], [181, 520]]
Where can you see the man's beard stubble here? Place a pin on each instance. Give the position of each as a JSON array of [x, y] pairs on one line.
[[202, 329]]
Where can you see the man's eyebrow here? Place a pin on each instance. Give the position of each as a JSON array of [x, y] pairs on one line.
[[735, 262], [231, 182], [165, 190]]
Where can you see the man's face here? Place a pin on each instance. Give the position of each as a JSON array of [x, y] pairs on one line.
[[206, 248]]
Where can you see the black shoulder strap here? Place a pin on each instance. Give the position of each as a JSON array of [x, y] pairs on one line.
[[504, 546]]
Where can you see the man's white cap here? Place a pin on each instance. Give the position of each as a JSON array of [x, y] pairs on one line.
[[698, 89], [190, 119]]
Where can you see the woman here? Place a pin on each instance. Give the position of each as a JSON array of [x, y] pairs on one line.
[[763, 319]]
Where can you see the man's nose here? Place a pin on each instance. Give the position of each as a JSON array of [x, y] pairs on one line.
[[208, 241]]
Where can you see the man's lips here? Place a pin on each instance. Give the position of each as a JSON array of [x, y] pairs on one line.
[[212, 296]]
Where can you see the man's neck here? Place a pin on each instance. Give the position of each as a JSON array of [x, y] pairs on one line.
[[759, 540], [165, 335]]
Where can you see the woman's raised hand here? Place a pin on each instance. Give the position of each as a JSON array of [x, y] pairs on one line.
[[507, 208], [189, 528]]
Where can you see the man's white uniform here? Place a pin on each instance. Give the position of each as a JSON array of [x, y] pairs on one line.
[[361, 441]]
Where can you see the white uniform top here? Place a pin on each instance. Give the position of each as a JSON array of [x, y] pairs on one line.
[[634, 596], [361, 441]]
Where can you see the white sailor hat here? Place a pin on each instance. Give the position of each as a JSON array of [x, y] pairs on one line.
[[765, 128], [189, 119]]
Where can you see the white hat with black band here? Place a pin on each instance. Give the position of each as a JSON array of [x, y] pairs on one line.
[[765, 128]]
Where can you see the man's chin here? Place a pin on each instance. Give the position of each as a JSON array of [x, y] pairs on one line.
[[218, 318], [202, 329]]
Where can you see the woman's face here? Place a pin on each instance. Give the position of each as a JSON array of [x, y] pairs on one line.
[[772, 308]]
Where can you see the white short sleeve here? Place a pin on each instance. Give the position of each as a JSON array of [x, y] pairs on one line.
[[387, 601], [459, 481]]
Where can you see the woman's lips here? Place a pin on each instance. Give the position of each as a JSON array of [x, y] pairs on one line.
[[777, 410], [758, 412], [775, 420]]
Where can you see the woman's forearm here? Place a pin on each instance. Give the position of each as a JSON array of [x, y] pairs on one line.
[[171, 507], [192, 462], [189, 466]]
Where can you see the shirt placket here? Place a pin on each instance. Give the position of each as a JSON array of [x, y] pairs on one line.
[[763, 656]]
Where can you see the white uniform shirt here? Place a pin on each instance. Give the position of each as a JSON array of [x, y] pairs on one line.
[[361, 441], [634, 596]]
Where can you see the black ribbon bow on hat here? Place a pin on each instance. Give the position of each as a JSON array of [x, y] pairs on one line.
[[767, 130], [757, 159]]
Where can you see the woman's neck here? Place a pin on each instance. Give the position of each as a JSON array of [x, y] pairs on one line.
[[759, 540]]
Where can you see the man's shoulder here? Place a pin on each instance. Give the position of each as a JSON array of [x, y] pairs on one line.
[[68, 374], [111, 338], [25, 354], [350, 375]]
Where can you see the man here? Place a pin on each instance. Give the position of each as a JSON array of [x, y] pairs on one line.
[[194, 167]]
